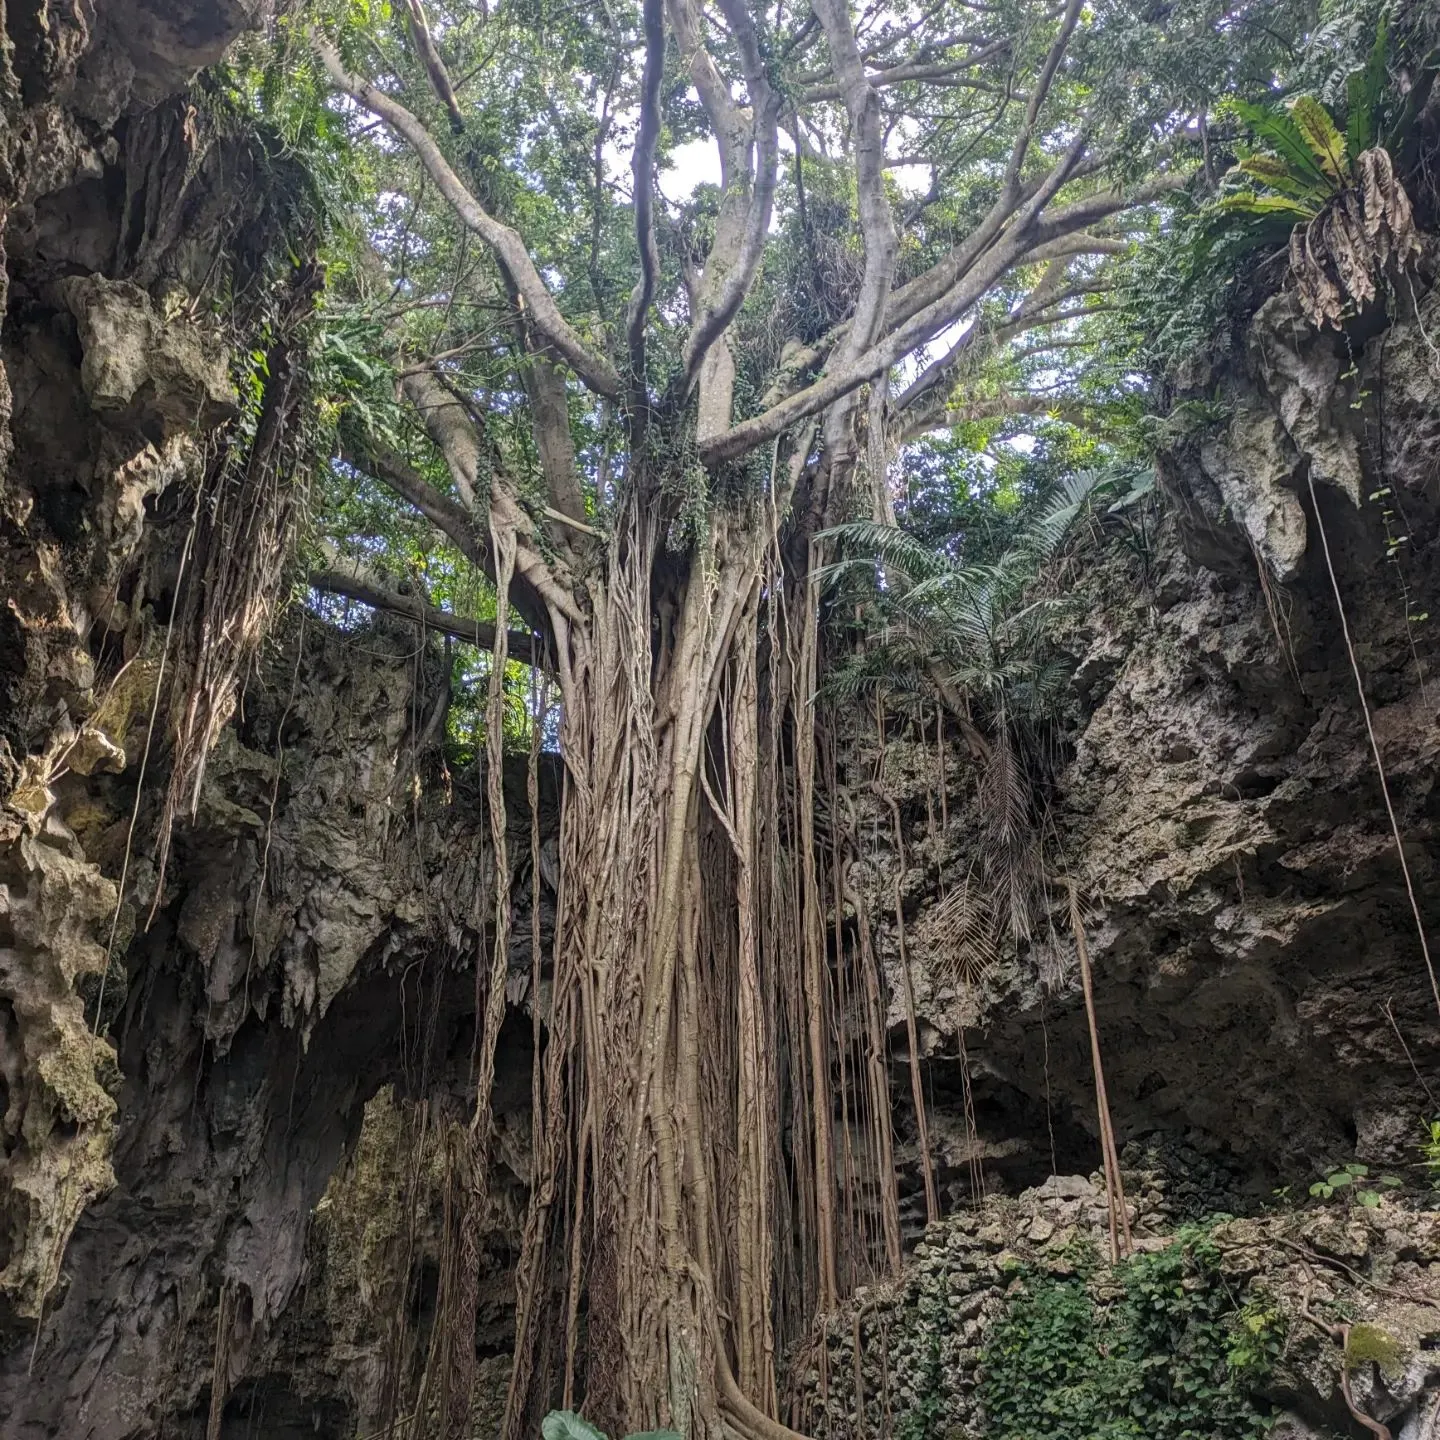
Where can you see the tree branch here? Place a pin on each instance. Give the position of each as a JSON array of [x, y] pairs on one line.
[[507, 244], [943, 276], [942, 417], [1068, 218], [877, 225], [749, 191], [936, 72], [368, 591], [916, 331], [1041, 91], [449, 426], [1040, 296], [978, 264], [393, 471], [642, 169], [424, 42]]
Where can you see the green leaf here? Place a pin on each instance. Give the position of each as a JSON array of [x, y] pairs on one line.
[[1247, 202], [1354, 1168], [654, 1435], [1272, 171], [1368, 1198], [1325, 141], [1364, 94], [1337, 1180], [567, 1425], [1278, 130]]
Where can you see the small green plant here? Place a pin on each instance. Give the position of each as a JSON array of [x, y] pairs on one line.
[[1258, 1335], [1350, 217], [1430, 1152], [567, 1425], [1174, 1357], [1352, 1182]]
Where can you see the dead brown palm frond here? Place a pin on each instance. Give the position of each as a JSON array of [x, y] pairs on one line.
[[1011, 852], [960, 932]]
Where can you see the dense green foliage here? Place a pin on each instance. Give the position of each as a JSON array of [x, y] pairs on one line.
[[1356, 77], [1171, 1352], [549, 116]]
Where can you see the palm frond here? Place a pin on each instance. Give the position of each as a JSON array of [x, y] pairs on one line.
[[868, 541], [1044, 535], [960, 932]]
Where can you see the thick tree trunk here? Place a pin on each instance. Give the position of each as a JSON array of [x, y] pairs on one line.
[[659, 722]]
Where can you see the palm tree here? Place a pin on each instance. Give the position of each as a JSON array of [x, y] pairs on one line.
[[978, 639]]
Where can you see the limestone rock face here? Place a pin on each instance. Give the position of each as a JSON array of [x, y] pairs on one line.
[[1255, 466], [164, 375], [58, 1118], [312, 942], [1263, 1002], [103, 404], [163, 43], [312, 946]]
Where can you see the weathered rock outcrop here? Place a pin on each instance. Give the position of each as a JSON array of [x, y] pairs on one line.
[[266, 992], [313, 944], [1261, 988], [102, 405]]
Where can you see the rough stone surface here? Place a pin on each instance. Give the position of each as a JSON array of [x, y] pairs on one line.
[[76, 468], [314, 944], [1263, 1001], [1379, 1268]]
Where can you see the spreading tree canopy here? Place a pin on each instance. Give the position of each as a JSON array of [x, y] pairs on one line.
[[643, 300]]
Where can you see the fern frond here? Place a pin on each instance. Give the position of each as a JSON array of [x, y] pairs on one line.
[[1044, 534], [1248, 202], [1326, 143], [1270, 170], [1364, 94], [880, 667], [1277, 129]]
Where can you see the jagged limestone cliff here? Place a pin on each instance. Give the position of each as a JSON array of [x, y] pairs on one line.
[[1258, 968]]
